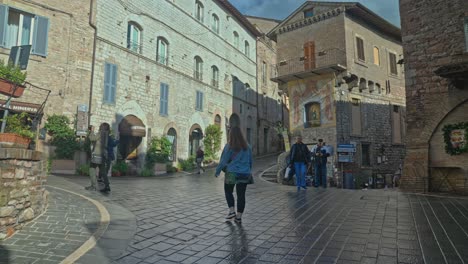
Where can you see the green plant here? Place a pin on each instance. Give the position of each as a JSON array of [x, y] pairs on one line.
[[186, 164], [121, 167], [83, 169], [170, 168], [159, 150], [146, 172], [456, 144], [18, 124], [12, 73], [212, 140], [63, 136]]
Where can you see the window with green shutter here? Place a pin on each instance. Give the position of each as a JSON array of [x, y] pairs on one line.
[[110, 83], [163, 99]]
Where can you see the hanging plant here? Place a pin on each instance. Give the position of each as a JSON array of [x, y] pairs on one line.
[[455, 138]]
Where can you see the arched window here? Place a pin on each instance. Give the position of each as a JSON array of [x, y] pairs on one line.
[[134, 37], [236, 39], [198, 71], [247, 49], [214, 76], [163, 51], [199, 11], [217, 120], [215, 23]]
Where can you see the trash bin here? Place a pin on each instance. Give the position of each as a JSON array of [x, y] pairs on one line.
[[348, 180]]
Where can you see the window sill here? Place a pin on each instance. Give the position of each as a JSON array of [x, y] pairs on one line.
[[361, 63], [33, 57], [163, 115], [109, 103]]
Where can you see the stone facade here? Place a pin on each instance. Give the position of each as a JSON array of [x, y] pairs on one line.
[[139, 74], [436, 92], [66, 69], [343, 92], [22, 188]]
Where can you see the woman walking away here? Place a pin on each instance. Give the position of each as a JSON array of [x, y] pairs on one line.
[[236, 162], [199, 158], [299, 158]]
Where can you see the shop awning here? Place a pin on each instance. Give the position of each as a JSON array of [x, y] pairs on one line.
[[20, 107], [132, 126]]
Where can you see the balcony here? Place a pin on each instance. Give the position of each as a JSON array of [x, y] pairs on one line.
[[323, 62]]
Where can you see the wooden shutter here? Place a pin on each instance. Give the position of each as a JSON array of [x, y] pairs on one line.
[[3, 24], [393, 65], [40, 36], [164, 99], [360, 49], [110, 82], [113, 83], [309, 55], [201, 101]]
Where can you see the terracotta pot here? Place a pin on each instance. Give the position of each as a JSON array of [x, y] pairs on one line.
[[11, 140], [7, 88]]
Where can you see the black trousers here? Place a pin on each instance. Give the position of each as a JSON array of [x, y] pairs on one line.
[[240, 191]]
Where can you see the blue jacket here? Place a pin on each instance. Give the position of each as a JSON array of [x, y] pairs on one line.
[[242, 162]]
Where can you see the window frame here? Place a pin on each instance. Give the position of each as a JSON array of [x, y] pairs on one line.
[[392, 64], [199, 101], [131, 26], [246, 48], [198, 69], [214, 76], [309, 13], [162, 40], [359, 40], [235, 39], [215, 23], [199, 11], [164, 99], [378, 55], [111, 84]]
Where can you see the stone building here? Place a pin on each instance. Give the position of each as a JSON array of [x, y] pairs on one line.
[[61, 55], [435, 42], [338, 62], [173, 68], [272, 111]]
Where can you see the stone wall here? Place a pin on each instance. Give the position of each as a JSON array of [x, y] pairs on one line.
[[433, 36], [22, 188]]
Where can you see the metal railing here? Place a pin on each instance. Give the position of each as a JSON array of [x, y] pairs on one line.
[[321, 59]]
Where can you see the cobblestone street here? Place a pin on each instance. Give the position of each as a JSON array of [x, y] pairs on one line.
[[180, 219]]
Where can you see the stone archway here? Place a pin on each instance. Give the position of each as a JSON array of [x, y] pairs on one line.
[[132, 131], [195, 138]]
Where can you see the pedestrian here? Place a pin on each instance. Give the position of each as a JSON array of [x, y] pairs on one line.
[[199, 158], [236, 162], [320, 155], [109, 158], [397, 176], [98, 148], [299, 160]]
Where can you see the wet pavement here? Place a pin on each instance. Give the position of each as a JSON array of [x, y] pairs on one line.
[[180, 219]]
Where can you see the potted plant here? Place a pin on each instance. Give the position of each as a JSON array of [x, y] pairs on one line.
[[11, 80], [119, 169], [17, 134], [157, 155], [65, 143]]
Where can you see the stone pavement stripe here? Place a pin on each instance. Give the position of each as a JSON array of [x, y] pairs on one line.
[[91, 242]]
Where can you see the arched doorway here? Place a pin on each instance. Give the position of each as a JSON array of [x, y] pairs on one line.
[[131, 131], [172, 136], [195, 139]]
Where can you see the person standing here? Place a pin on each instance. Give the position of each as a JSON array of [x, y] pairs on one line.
[[98, 154], [108, 157], [236, 162], [299, 160], [199, 158], [320, 155]]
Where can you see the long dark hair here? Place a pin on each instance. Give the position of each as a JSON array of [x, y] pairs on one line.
[[236, 139]]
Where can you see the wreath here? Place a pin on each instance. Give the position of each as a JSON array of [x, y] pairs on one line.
[[449, 148]]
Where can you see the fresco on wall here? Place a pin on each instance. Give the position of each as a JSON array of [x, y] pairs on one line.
[[306, 91]]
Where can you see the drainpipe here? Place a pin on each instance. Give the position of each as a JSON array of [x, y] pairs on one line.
[[92, 25]]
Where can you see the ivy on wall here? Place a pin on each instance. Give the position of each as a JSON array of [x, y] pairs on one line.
[[456, 144]]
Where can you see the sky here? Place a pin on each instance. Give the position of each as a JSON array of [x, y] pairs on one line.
[[280, 9]]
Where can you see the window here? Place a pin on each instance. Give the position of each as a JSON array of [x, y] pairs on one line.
[[356, 117], [309, 13], [376, 56], [217, 120], [214, 76], [240, 108], [365, 155], [360, 49], [312, 114], [396, 124], [163, 99], [133, 37], [199, 101], [21, 28], [198, 71], [393, 65], [199, 11], [309, 55], [110, 83], [247, 49], [162, 55], [236, 39], [215, 25], [264, 69], [466, 34]]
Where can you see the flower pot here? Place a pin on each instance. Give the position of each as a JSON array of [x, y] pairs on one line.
[[7, 88], [160, 168], [11, 140]]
